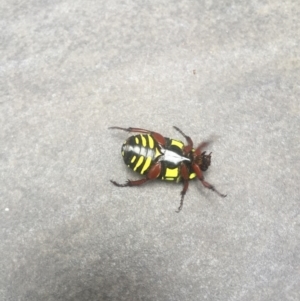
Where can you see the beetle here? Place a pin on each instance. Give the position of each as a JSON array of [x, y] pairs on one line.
[[158, 157]]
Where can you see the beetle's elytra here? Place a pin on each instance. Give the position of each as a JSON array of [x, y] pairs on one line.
[[158, 157]]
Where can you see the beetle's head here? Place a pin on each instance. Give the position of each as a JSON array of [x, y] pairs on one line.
[[203, 161]]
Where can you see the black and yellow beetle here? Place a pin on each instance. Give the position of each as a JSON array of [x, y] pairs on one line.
[[158, 157]]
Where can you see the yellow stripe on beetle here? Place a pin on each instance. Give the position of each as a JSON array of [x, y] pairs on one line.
[[171, 173], [139, 162], [133, 159], [192, 176], [144, 142], [151, 141], [177, 143], [146, 165], [157, 153]]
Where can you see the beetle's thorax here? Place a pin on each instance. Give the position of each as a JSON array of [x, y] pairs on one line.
[[172, 157]]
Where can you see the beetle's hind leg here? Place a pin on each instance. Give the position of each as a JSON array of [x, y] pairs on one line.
[[130, 183], [158, 137], [152, 174]]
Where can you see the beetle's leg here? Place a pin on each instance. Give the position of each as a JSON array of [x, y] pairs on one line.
[[153, 173], [185, 176], [199, 148], [199, 174], [158, 137], [130, 183], [187, 148]]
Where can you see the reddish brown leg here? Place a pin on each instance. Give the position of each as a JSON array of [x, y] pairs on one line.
[[187, 148], [130, 183], [185, 175], [153, 173], [158, 137], [199, 148], [199, 174]]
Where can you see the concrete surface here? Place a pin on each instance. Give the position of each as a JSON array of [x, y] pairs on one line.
[[69, 70]]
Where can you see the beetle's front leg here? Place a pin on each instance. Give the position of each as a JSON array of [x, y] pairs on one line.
[[199, 174]]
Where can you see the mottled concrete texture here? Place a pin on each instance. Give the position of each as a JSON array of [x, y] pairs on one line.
[[70, 69]]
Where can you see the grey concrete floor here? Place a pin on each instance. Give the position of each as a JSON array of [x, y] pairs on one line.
[[69, 70]]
